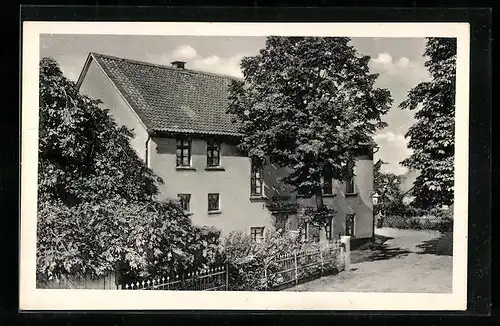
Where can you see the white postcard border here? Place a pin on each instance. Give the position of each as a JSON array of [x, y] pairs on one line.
[[47, 299]]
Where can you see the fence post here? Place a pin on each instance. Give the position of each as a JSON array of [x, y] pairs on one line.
[[296, 268], [321, 260], [227, 277], [346, 240], [265, 276]]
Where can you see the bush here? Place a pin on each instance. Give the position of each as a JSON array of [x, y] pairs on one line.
[[137, 240], [438, 223], [249, 261]]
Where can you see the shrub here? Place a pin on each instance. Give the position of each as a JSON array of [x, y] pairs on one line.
[[249, 261], [134, 239], [428, 222]]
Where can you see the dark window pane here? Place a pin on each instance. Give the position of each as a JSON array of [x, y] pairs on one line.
[[349, 224], [257, 233], [349, 186], [213, 202], [184, 200], [183, 152], [256, 180]]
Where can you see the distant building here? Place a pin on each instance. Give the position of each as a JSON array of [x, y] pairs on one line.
[[407, 181], [183, 133]]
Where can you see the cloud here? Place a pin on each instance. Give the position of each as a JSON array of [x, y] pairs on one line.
[[403, 62], [383, 58], [220, 65], [403, 71], [212, 63], [393, 149], [389, 136], [184, 52]]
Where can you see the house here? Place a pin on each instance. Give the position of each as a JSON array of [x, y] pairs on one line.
[[183, 133], [407, 181]]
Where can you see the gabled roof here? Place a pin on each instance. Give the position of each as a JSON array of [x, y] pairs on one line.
[[169, 99]]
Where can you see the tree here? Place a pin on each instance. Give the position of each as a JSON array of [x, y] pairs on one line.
[[307, 103], [432, 136], [96, 197], [387, 186]]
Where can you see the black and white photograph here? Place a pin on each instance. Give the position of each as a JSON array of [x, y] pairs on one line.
[[258, 167]]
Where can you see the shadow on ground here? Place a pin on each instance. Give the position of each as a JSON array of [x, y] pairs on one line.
[[442, 246], [377, 251]]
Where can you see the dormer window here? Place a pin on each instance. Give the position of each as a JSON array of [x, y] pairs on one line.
[[213, 153]]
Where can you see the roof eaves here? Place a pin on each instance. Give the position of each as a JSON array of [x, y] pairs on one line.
[[196, 132]]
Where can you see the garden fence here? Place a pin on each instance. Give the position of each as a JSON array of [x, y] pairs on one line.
[[214, 279], [281, 271]]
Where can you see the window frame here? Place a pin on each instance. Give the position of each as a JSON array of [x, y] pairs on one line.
[[188, 203], [350, 187], [213, 146], [181, 146], [210, 210], [327, 180], [257, 236], [348, 217], [254, 170], [329, 230]]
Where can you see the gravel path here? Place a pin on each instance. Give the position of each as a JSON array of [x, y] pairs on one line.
[[407, 261]]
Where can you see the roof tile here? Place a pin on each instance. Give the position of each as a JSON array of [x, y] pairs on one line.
[[172, 99]]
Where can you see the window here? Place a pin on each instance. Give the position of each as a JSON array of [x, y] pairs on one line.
[[315, 233], [349, 224], [184, 200], [257, 233], [213, 202], [328, 230], [303, 232], [349, 184], [281, 222], [256, 180], [309, 232], [213, 153], [327, 183], [183, 152]]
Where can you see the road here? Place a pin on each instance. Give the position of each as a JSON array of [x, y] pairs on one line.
[[406, 261]]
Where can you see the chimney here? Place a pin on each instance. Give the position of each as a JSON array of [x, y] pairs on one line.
[[178, 64]]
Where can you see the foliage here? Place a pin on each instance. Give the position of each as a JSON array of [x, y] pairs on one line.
[[307, 103], [432, 137], [96, 207], [316, 216], [83, 155], [249, 261], [430, 220], [387, 186], [140, 239]]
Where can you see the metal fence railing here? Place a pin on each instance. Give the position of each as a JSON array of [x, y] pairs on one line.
[[214, 279], [284, 270]]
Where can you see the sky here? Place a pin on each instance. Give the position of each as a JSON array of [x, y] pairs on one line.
[[398, 61]]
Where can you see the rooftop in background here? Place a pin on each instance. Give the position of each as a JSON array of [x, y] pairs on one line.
[[169, 98]]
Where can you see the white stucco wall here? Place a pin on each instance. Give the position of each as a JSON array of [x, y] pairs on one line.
[[237, 211], [97, 85]]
